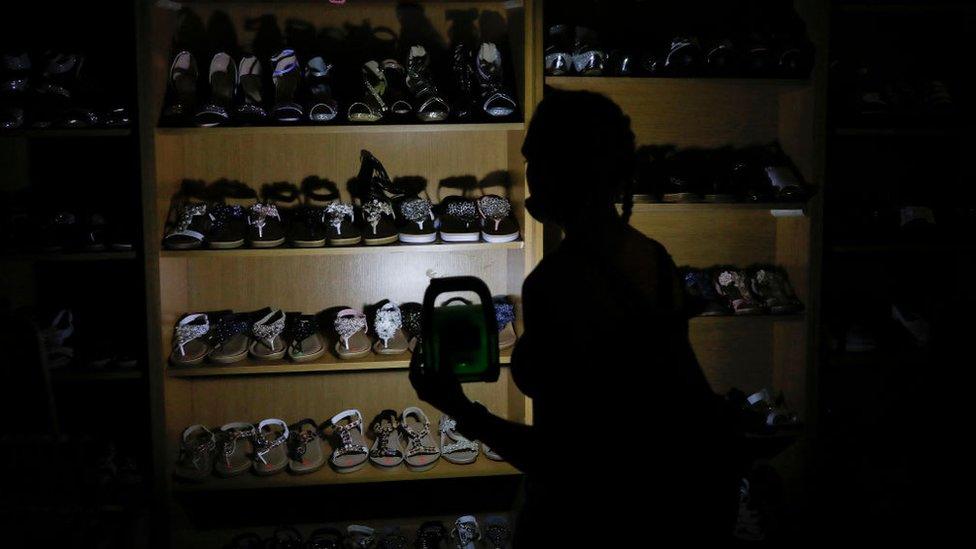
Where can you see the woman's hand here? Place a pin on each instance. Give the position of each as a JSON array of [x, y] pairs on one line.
[[439, 389]]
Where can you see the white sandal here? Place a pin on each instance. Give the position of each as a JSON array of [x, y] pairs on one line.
[[351, 326], [351, 452], [455, 447], [388, 324], [197, 447], [422, 452], [189, 345], [466, 532], [271, 454], [268, 343]]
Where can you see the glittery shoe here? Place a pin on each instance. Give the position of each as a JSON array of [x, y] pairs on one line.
[[466, 532], [455, 447], [417, 221], [229, 337], [305, 452], [197, 448], [498, 224], [387, 450], [388, 324], [460, 221], [234, 449], [268, 343], [505, 318], [349, 452], [340, 224], [422, 451], [305, 343], [190, 345], [270, 447], [351, 327]]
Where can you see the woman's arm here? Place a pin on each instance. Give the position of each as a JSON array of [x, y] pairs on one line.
[[515, 442]]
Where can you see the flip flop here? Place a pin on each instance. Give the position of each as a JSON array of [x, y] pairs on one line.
[[388, 325], [340, 224], [351, 326], [305, 341], [189, 345], [229, 338], [268, 343]]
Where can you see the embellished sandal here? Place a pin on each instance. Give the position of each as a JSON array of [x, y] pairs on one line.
[[391, 538], [270, 445], [285, 537], [703, 299], [266, 229], [372, 107], [190, 346], [340, 224], [191, 229], [322, 107], [422, 452], [732, 284], [411, 315], [197, 447], [286, 78], [250, 109], [495, 101], [58, 352], [498, 534], [430, 535], [228, 338], [360, 537], [499, 225], [379, 227], [235, 449], [505, 318], [228, 214], [387, 449], [351, 327], [772, 287], [350, 452], [418, 221], [430, 106], [183, 77], [223, 83], [325, 538], [455, 447], [466, 532], [396, 92], [388, 323], [459, 220], [305, 341], [305, 451], [464, 102], [268, 343]]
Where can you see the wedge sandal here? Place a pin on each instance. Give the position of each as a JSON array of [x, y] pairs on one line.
[[351, 327], [388, 324], [268, 343], [322, 106], [197, 447], [250, 109], [455, 447], [270, 445], [190, 345], [387, 450], [305, 342], [418, 219], [505, 318], [228, 338], [422, 452], [499, 224], [350, 452], [183, 76], [305, 452], [236, 447]]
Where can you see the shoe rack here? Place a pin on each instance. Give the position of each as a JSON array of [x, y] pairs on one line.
[[312, 280], [747, 353]]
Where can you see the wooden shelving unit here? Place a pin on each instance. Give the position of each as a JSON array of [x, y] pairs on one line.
[[439, 247]]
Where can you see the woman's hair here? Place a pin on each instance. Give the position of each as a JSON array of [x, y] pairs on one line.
[[581, 142]]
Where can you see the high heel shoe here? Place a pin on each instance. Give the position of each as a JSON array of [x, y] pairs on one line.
[[223, 82], [495, 101], [286, 79], [322, 106], [379, 227], [559, 45], [251, 109], [431, 107], [372, 106], [396, 88], [463, 67], [183, 76]]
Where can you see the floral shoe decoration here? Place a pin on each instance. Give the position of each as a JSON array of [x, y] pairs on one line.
[[379, 228], [418, 221], [732, 284], [351, 327], [388, 324], [702, 297], [190, 345], [773, 289], [387, 450], [268, 343], [422, 452], [350, 451], [340, 224], [305, 341], [460, 220], [197, 447], [305, 453], [412, 315], [270, 447], [191, 228], [235, 449], [466, 532], [499, 225], [505, 318], [498, 534], [265, 228], [455, 447], [229, 337]]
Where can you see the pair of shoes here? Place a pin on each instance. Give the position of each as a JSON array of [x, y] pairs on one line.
[[727, 290], [404, 439], [225, 337], [237, 92], [488, 219], [570, 50], [352, 329], [64, 230], [266, 449]]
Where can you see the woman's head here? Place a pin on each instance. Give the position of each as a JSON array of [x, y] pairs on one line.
[[580, 159]]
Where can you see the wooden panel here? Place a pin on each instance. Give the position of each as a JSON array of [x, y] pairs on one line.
[[692, 112], [703, 239]]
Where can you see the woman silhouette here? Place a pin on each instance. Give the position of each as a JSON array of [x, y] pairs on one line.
[[628, 442]]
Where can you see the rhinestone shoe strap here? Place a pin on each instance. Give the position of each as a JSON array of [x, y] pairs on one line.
[[189, 329]]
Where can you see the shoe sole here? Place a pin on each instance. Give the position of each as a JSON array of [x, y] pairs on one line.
[[273, 356], [418, 238], [267, 243], [308, 358], [499, 238], [308, 243], [422, 468], [346, 241], [380, 241], [226, 245], [229, 359], [346, 470], [460, 237]]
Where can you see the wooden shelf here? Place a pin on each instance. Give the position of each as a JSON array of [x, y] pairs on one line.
[[58, 133], [345, 128], [882, 248], [328, 363], [441, 247], [70, 256], [670, 207], [369, 474], [897, 131], [799, 317], [655, 82]]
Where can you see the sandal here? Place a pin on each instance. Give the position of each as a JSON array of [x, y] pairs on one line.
[[491, 454], [228, 214], [499, 225], [379, 227], [325, 538], [308, 226], [15, 71], [495, 101], [431, 107], [197, 446], [772, 287], [455, 447], [351, 327], [190, 346], [505, 319], [558, 50], [391, 538], [396, 92], [270, 445], [305, 451], [466, 532], [247, 540], [387, 324], [250, 109], [266, 229], [268, 343], [589, 59], [372, 106], [223, 83], [418, 221], [360, 537], [422, 452], [183, 77], [228, 337], [462, 66], [305, 341], [57, 353], [684, 57], [430, 535], [459, 220], [497, 533], [411, 315], [340, 228], [235, 449], [285, 537], [732, 284], [322, 107], [191, 229], [350, 451], [703, 299], [286, 78], [387, 449]]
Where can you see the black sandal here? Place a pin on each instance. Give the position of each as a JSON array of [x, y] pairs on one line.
[[396, 88], [15, 69], [183, 77], [250, 108], [463, 67], [322, 107], [223, 83], [286, 80], [325, 538], [228, 214], [372, 107], [431, 107], [379, 219], [307, 227]]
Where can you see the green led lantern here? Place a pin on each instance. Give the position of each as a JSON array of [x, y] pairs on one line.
[[459, 335]]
